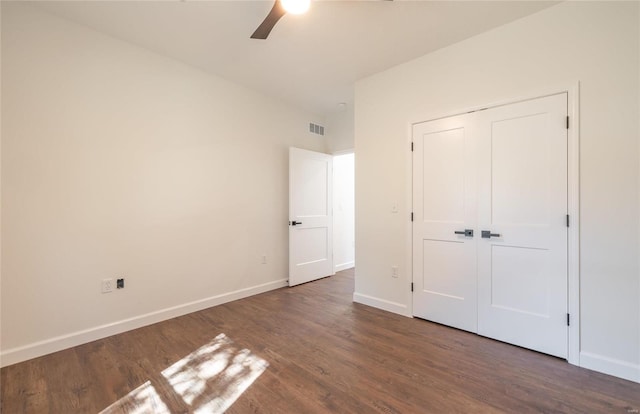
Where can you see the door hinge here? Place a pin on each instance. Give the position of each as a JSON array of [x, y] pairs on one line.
[[412, 216], [412, 286], [567, 220], [567, 121], [412, 146], [568, 320]]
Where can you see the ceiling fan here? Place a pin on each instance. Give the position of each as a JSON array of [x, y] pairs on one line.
[[279, 9]]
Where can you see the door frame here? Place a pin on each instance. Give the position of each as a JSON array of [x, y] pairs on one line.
[[572, 89]]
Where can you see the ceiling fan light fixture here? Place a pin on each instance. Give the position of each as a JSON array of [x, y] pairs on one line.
[[296, 6]]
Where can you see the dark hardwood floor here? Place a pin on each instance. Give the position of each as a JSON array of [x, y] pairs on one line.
[[306, 349]]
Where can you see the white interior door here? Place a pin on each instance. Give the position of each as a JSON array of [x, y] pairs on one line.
[[501, 173], [522, 274], [310, 216], [444, 199]]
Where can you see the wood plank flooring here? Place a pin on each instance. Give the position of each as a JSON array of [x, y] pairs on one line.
[[306, 349]]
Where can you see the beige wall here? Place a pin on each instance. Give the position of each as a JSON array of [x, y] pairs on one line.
[[595, 43], [117, 162]]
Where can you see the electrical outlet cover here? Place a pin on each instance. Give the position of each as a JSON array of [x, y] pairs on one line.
[[107, 285]]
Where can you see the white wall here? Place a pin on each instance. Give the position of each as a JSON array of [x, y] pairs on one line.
[[117, 162], [343, 212], [339, 129], [595, 43]]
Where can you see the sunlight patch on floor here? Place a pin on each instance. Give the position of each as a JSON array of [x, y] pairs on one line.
[[208, 380], [212, 378], [142, 400]]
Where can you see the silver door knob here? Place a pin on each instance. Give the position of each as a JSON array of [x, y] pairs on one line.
[[486, 234]]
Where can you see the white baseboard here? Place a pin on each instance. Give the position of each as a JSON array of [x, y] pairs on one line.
[[48, 346], [344, 266], [383, 304], [611, 366]]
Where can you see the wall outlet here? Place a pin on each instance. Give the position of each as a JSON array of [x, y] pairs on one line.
[[394, 271], [120, 283], [264, 259], [107, 285]]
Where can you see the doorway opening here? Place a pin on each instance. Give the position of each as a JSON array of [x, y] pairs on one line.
[[343, 211]]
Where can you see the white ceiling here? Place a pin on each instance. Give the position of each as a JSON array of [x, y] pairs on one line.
[[310, 61]]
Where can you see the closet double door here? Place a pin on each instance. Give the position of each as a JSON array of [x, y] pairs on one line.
[[490, 223]]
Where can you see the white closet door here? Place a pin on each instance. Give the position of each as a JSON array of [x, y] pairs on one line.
[[522, 204], [444, 204], [501, 172]]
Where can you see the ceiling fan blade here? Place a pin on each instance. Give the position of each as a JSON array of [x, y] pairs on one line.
[[277, 11]]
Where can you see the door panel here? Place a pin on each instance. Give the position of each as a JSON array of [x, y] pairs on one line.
[[310, 197], [444, 202], [518, 178], [311, 245], [443, 175], [522, 274], [444, 273], [447, 293], [310, 201], [526, 290]]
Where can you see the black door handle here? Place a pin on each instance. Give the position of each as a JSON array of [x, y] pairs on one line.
[[486, 234], [295, 223], [466, 232]]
